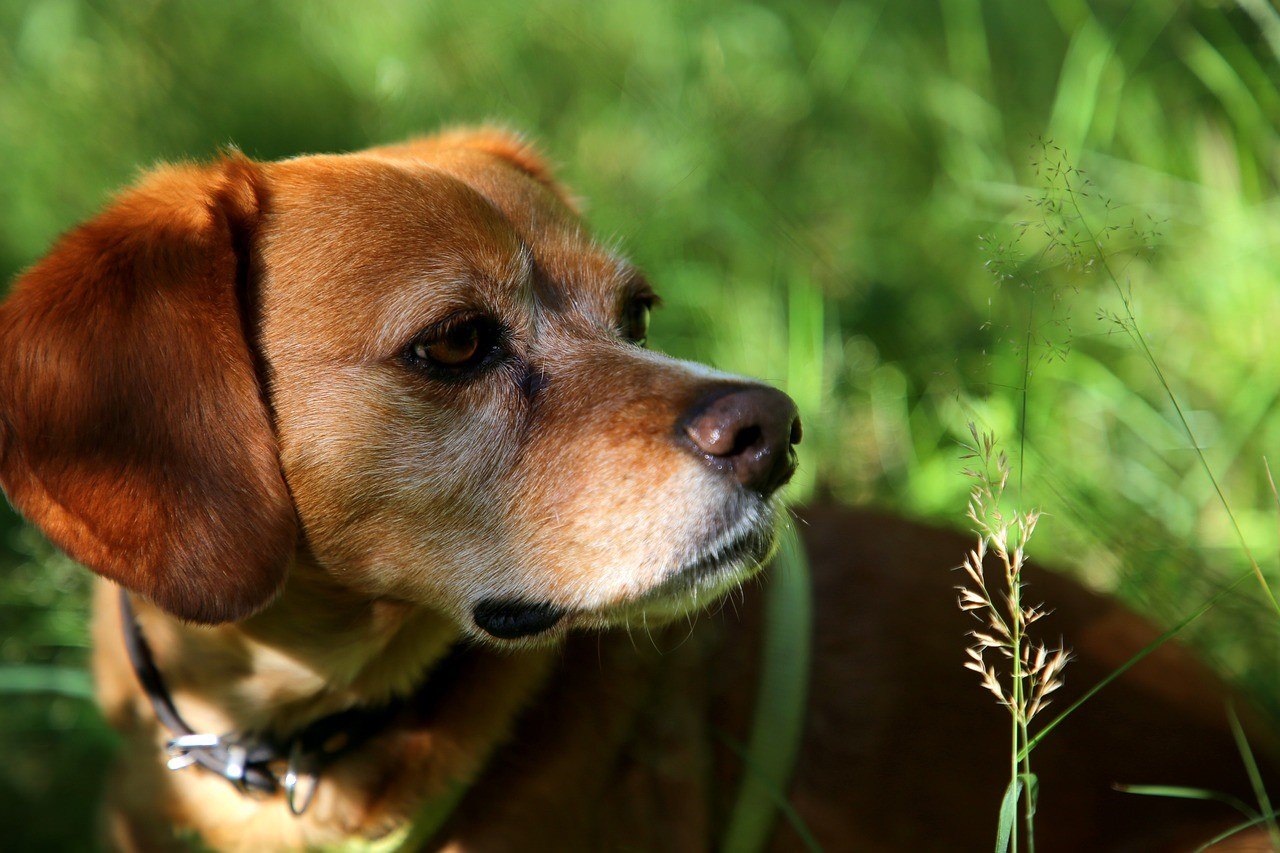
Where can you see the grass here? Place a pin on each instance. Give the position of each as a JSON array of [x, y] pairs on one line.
[[1081, 241], [803, 183], [1029, 671]]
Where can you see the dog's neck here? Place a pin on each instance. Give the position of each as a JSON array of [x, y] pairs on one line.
[[319, 648]]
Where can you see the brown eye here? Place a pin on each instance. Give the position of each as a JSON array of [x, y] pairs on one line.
[[635, 321], [458, 348], [455, 347]]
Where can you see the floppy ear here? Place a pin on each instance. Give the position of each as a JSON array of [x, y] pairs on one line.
[[133, 430]]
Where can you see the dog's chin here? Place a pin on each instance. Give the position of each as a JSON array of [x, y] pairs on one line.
[[698, 583], [694, 583]]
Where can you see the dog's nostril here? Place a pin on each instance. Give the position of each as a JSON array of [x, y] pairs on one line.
[[747, 438], [797, 431]]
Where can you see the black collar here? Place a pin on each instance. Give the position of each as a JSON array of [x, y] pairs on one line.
[[253, 761]]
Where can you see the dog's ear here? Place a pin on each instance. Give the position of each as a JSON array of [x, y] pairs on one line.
[[512, 148], [133, 429]]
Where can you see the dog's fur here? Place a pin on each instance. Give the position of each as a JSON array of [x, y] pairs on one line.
[[205, 398]]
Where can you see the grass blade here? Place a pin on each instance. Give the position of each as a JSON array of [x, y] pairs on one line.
[[1008, 814], [779, 797], [1255, 777], [1182, 793], [1131, 662], [781, 699], [1238, 828]]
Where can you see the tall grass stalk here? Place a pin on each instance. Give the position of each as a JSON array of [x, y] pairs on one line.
[[1073, 241], [1031, 671], [1077, 186], [1073, 238]]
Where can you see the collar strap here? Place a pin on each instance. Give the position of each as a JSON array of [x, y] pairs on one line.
[[251, 761], [770, 756]]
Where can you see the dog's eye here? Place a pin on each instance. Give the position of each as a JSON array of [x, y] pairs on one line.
[[458, 347], [454, 348], [635, 321]]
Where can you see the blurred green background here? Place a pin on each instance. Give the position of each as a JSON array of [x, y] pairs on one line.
[[807, 185]]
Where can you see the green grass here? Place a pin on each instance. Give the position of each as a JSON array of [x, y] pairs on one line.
[[806, 185]]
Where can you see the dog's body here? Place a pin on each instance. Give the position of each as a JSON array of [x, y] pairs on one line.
[[333, 420], [618, 741]]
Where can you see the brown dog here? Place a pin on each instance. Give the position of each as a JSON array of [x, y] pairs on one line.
[[377, 431]]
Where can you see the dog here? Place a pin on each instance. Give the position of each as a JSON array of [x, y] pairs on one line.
[[383, 483]]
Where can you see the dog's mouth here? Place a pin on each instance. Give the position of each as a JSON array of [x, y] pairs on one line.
[[700, 580], [725, 561]]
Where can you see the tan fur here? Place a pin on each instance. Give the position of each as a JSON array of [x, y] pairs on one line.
[[206, 396], [443, 496]]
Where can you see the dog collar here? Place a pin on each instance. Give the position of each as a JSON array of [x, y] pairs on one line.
[[769, 758], [262, 762]]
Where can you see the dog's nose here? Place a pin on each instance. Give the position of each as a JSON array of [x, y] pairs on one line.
[[747, 431]]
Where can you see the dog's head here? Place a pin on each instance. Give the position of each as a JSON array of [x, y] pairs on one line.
[[411, 363]]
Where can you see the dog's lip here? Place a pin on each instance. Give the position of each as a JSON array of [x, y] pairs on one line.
[[513, 619], [517, 619], [751, 544]]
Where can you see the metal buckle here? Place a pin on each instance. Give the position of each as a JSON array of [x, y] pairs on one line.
[[181, 747], [292, 776], [236, 757]]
